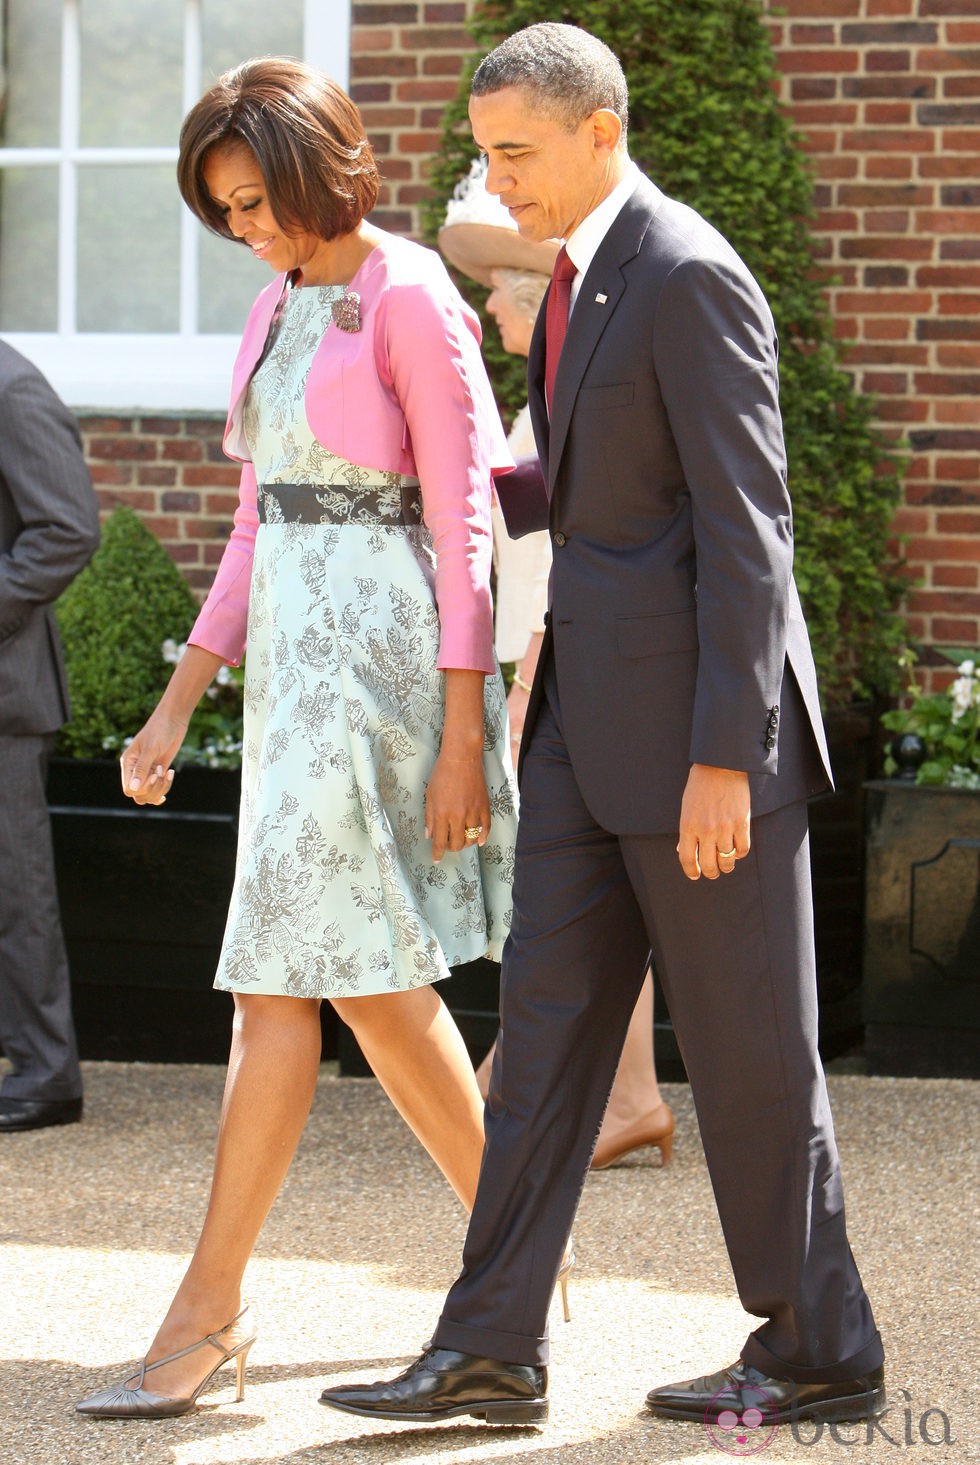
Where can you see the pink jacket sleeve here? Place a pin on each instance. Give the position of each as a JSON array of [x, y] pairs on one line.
[[222, 623], [440, 381]]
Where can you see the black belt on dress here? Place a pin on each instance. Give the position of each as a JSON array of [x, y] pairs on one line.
[[315, 503]]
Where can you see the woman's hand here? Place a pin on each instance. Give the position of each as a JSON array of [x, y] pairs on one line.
[[456, 800], [145, 765]]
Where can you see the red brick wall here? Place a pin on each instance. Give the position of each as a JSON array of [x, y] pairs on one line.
[[887, 96], [172, 471], [405, 65]]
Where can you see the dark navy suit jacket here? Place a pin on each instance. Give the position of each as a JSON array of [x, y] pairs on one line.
[[675, 623]]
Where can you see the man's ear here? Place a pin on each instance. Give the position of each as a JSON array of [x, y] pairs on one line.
[[607, 130]]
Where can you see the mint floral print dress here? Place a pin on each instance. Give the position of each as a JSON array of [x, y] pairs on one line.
[[336, 893]]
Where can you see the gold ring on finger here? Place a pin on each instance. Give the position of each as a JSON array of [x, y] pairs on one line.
[[474, 831]]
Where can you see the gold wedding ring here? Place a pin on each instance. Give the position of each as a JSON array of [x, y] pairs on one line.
[[474, 831], [725, 854]]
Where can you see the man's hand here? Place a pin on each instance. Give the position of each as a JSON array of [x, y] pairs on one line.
[[715, 816]]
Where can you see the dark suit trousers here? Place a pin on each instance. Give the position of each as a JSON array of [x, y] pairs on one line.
[[735, 957], [36, 1029]]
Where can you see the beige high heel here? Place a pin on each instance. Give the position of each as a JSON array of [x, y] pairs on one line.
[[655, 1129], [564, 1272], [120, 1402]]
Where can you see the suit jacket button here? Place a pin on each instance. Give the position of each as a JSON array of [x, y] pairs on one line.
[[560, 539]]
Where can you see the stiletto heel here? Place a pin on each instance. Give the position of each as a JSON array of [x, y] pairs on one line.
[[240, 1361], [655, 1129], [120, 1402], [564, 1272]]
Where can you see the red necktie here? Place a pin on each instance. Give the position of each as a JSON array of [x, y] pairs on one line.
[[556, 318]]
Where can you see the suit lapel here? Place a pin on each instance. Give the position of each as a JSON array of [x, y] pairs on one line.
[[599, 295]]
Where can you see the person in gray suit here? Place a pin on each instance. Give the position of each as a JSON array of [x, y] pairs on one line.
[[672, 739], [49, 530]]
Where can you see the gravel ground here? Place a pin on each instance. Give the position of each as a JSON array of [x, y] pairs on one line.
[[96, 1220]]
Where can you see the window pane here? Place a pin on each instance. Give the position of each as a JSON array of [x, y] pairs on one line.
[[132, 73], [235, 32], [128, 249], [230, 279], [31, 116], [28, 249]]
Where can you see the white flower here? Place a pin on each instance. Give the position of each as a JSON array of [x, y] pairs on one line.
[[967, 668], [964, 693], [171, 651]]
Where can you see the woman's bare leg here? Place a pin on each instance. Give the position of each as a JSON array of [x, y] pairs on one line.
[[635, 1091], [272, 1073], [419, 1058]]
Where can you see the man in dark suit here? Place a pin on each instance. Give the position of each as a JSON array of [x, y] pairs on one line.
[[49, 529], [673, 737]]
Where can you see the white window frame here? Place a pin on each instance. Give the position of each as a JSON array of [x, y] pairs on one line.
[[127, 371]]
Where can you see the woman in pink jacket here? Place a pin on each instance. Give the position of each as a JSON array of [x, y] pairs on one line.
[[378, 819]]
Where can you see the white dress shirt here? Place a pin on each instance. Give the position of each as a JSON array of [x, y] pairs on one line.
[[582, 244]]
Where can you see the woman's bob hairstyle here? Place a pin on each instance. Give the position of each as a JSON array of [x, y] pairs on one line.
[[307, 136]]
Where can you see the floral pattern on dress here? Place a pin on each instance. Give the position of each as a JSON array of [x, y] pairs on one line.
[[336, 893]]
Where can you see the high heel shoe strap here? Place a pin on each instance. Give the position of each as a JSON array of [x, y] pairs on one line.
[[211, 1338]]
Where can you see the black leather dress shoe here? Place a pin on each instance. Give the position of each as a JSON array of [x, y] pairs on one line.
[[779, 1401], [443, 1383], [17, 1114]]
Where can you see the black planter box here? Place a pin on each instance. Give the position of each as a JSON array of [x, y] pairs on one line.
[[922, 930], [837, 866], [144, 896]]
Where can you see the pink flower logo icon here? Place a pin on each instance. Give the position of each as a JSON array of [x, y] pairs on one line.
[[737, 1421]]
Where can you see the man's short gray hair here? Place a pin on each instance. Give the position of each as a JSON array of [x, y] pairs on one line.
[[570, 72]]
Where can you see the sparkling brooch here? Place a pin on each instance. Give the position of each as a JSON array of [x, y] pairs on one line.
[[346, 311]]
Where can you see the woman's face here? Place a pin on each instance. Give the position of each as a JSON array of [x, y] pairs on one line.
[[516, 328], [234, 180]]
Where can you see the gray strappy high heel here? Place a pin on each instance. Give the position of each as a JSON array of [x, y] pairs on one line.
[[120, 1402]]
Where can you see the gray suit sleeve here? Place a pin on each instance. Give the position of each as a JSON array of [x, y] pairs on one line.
[[715, 357], [51, 490]]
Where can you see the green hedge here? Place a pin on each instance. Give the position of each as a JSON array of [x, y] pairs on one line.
[[113, 621], [705, 124]]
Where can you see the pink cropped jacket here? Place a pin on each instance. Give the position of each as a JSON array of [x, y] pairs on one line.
[[407, 393]]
